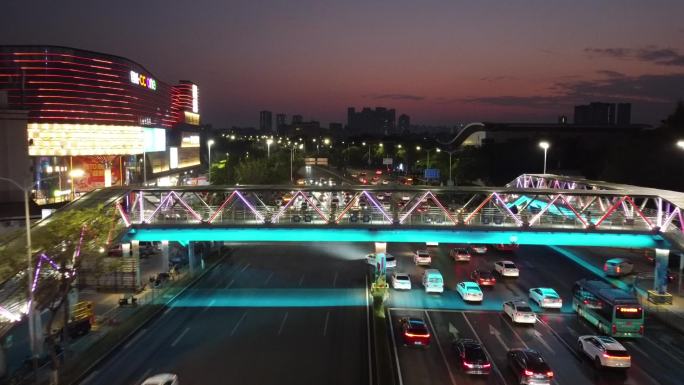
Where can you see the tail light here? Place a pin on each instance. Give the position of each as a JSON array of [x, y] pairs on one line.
[[549, 374], [412, 335], [613, 329], [641, 330], [468, 365], [487, 365], [528, 372], [605, 267], [617, 270]]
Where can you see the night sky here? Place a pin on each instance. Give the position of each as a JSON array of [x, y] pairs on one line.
[[440, 61]]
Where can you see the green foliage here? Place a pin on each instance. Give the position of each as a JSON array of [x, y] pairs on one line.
[[248, 171]]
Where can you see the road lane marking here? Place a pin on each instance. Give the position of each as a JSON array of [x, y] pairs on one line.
[[90, 377], [638, 349], [268, 279], [325, 324], [180, 336], [211, 303], [282, 324], [491, 361], [238, 323], [539, 337], [135, 338], [394, 345], [453, 331], [441, 351], [335, 280], [166, 311], [301, 280], [497, 334], [572, 331], [679, 361], [244, 268], [514, 332], [560, 339], [368, 335], [230, 284]]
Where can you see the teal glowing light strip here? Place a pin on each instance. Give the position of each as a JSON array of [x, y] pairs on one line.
[[332, 234]]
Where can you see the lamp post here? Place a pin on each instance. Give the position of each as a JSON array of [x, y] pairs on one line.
[[545, 145], [450, 181], [31, 305], [269, 142], [75, 173], [292, 149], [210, 143]]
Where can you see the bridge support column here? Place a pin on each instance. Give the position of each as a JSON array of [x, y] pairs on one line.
[[135, 248], [380, 247], [165, 254], [191, 257]]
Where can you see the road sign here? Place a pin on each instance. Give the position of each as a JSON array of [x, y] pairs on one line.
[[431, 173], [387, 161]]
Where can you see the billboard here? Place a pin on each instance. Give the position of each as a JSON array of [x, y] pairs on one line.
[[431, 173], [94, 171]]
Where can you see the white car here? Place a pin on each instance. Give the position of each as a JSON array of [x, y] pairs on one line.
[[401, 281], [506, 269], [162, 379], [470, 291], [546, 297], [390, 260], [422, 257], [478, 249], [460, 254], [605, 351], [520, 312], [385, 182]]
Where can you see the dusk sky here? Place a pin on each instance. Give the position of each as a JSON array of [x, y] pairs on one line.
[[440, 61]]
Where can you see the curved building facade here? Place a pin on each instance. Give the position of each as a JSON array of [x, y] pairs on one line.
[[88, 104]]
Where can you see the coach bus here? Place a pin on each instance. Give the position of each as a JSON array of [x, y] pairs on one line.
[[613, 311]]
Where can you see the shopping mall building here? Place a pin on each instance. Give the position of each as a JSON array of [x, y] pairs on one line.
[[92, 120]]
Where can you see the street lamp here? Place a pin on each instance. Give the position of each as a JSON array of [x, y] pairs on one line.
[[269, 141], [210, 143], [680, 144], [545, 145], [75, 173], [292, 149]]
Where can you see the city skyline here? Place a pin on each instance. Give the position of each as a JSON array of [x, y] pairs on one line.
[[440, 63]]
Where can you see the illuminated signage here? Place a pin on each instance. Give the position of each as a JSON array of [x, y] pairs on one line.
[[143, 80], [173, 157], [55, 139], [195, 99]]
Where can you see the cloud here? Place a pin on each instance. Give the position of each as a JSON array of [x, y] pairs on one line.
[[397, 97], [610, 73], [650, 54]]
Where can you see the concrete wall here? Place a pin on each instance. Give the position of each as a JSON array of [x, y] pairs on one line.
[[15, 162]]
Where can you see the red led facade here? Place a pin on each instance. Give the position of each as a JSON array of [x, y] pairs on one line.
[[66, 85]]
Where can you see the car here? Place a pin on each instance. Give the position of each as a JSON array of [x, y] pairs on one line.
[[470, 291], [433, 282], [506, 269], [617, 267], [478, 249], [378, 172], [471, 356], [301, 182], [483, 277], [604, 351], [162, 379], [401, 281], [422, 257], [385, 182], [546, 297], [414, 332], [354, 175], [529, 367], [507, 246], [520, 312], [460, 254], [390, 260]]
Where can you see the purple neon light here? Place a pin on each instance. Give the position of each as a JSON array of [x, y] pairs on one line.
[[159, 206], [518, 221], [125, 218], [252, 208], [282, 210], [377, 205], [681, 222], [142, 209], [413, 208], [669, 219], [548, 205], [187, 207], [9, 314]]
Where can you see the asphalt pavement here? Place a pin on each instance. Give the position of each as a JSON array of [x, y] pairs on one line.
[[271, 314], [657, 358]]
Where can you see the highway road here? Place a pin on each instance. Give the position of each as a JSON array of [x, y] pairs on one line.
[[271, 314], [658, 358]]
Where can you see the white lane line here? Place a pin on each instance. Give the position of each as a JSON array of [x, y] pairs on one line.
[[90, 377], [514, 332], [135, 338], [477, 337], [282, 323], [211, 303], [638, 349], [230, 284], [439, 346], [301, 280], [368, 334], [144, 376], [180, 336], [166, 311], [325, 324], [672, 356], [335, 280], [244, 268], [268, 279], [560, 339], [394, 347], [238, 324]]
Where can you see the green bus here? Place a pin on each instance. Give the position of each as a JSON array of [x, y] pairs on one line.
[[613, 311]]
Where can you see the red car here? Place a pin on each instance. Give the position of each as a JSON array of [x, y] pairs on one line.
[[483, 278], [414, 332], [378, 172], [507, 246]]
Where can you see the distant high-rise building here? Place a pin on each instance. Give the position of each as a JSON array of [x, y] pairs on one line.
[[266, 121], [296, 119], [335, 128], [603, 113], [624, 114], [380, 120], [280, 122], [403, 123]]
